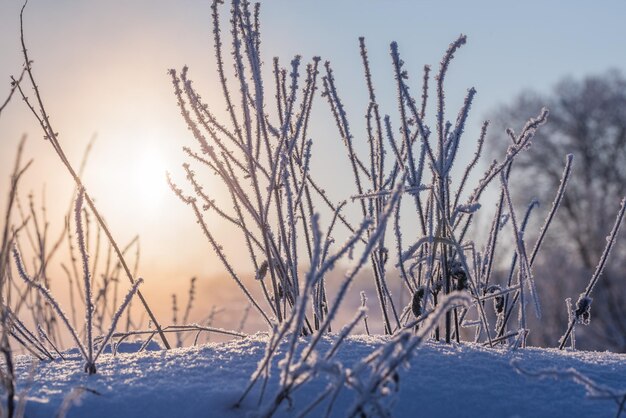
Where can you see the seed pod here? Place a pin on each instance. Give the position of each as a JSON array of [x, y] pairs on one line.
[[498, 304], [498, 301], [262, 272], [416, 302], [458, 275], [583, 310], [461, 280]]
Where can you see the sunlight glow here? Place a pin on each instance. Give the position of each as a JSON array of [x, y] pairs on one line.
[[148, 180]]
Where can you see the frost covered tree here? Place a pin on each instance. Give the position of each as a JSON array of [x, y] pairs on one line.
[[587, 119]]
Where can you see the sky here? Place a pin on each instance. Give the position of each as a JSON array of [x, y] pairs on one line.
[[102, 70]]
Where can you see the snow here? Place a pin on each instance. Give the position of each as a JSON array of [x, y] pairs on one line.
[[206, 381]]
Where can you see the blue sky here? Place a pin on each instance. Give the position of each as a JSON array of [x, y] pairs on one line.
[[102, 68]]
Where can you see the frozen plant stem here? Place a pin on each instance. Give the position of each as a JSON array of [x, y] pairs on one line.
[[46, 294], [555, 205], [610, 241], [51, 135], [87, 351], [86, 280]]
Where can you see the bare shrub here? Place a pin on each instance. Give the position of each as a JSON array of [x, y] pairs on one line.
[[263, 160]]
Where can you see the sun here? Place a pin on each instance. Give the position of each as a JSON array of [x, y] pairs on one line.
[[148, 177]]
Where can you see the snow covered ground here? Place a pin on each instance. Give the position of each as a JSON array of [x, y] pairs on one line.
[[205, 381]]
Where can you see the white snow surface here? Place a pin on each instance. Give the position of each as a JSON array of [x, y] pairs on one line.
[[458, 380]]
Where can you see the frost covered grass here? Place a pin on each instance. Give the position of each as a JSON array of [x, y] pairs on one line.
[[89, 350], [262, 155], [263, 159]]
